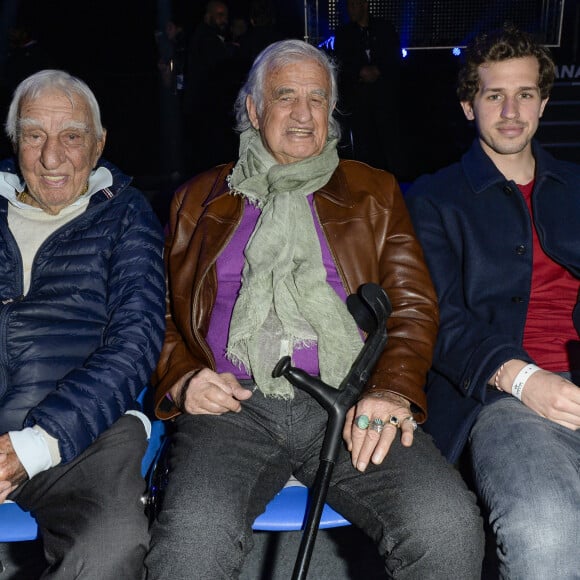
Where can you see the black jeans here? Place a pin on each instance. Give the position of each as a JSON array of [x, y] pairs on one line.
[[225, 469], [89, 511]]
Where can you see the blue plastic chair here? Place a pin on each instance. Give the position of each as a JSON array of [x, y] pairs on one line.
[[287, 511], [16, 525]]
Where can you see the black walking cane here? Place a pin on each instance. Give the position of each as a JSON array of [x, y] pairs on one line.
[[370, 307]]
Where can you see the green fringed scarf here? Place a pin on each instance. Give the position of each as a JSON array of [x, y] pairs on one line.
[[285, 302]]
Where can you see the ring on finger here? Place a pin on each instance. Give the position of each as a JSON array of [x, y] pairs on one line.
[[394, 421], [377, 425], [411, 420], [362, 422]]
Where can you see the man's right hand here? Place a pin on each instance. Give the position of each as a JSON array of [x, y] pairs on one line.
[[208, 392], [554, 398], [12, 472]]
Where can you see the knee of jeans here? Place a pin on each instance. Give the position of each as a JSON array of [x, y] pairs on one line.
[[184, 546], [204, 510], [540, 521], [462, 527], [439, 546], [221, 521], [454, 523], [539, 547]]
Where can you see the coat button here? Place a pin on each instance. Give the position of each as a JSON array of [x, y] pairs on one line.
[[466, 384], [520, 250], [507, 189], [517, 299]]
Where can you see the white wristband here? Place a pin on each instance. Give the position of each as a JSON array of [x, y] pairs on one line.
[[521, 378]]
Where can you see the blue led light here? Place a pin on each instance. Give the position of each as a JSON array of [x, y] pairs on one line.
[[327, 44]]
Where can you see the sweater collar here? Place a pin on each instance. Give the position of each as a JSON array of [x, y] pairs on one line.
[[120, 181]]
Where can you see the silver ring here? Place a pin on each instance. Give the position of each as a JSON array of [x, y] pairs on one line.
[[394, 421], [377, 425], [411, 420]]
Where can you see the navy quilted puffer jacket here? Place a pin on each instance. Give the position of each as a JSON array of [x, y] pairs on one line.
[[79, 347]]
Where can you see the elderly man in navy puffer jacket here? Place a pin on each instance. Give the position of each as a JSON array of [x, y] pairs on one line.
[[81, 326]]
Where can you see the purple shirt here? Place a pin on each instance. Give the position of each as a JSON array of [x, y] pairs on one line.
[[230, 264]]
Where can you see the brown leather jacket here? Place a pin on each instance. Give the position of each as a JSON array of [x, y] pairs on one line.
[[365, 221]]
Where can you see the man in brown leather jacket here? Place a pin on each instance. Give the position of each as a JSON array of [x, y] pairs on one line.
[[260, 258]]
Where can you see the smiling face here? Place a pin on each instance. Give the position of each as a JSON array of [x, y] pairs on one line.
[[507, 107], [294, 121], [57, 148]]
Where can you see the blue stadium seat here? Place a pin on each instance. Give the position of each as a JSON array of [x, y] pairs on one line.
[[287, 511], [16, 525]]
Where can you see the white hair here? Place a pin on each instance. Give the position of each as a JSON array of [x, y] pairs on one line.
[[276, 55], [46, 80]]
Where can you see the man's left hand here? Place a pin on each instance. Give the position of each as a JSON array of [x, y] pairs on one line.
[[369, 444], [12, 473]]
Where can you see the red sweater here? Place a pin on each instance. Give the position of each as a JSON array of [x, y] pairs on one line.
[[549, 332]]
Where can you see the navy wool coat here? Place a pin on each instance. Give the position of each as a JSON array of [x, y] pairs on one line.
[[476, 233]]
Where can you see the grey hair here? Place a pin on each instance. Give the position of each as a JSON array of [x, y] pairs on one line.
[[277, 55], [46, 80]]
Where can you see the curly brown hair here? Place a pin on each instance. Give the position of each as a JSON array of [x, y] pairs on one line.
[[499, 45]]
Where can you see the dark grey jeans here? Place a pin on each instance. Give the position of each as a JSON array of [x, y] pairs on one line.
[[225, 469], [89, 511]]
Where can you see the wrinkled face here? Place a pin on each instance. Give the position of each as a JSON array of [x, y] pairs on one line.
[[57, 148], [294, 121], [507, 106]]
